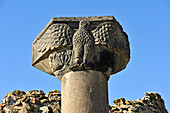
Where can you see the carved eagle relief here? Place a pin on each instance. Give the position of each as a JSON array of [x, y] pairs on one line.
[[74, 48], [60, 36], [56, 36]]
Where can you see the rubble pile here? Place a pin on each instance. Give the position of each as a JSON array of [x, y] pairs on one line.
[[35, 101], [150, 103]]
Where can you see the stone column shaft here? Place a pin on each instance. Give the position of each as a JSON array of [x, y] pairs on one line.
[[84, 92]]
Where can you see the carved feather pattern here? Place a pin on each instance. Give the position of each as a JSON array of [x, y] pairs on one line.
[[111, 35], [57, 36], [102, 33]]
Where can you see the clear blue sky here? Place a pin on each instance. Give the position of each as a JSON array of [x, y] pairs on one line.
[[147, 23]]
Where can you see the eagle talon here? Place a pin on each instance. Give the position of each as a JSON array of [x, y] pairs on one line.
[[82, 65], [74, 66]]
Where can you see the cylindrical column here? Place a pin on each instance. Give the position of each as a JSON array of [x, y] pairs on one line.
[[84, 92]]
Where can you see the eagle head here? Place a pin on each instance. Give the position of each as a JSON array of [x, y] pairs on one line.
[[84, 23]]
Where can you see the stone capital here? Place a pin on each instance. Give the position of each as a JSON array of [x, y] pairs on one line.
[[81, 43]]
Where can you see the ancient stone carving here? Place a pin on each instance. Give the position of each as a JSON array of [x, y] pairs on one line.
[[95, 43], [83, 45]]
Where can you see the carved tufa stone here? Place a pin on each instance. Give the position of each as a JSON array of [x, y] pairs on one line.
[[81, 43]]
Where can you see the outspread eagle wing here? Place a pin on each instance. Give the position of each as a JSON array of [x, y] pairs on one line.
[[57, 36], [111, 35]]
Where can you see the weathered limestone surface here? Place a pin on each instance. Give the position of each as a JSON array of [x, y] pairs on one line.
[[82, 52], [81, 43], [38, 102], [150, 103], [33, 101], [84, 92]]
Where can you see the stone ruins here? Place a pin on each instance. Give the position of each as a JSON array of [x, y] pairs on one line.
[[35, 101], [82, 52]]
